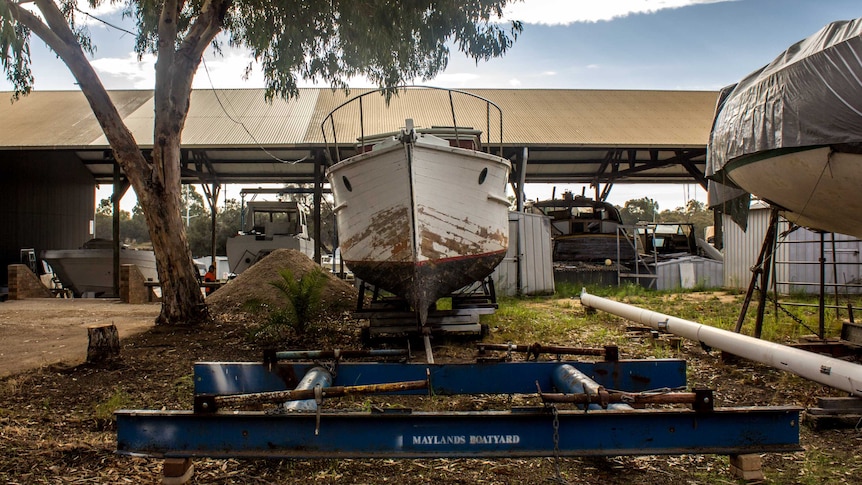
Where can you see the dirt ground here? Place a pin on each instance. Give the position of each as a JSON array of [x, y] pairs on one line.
[[56, 422], [40, 332]]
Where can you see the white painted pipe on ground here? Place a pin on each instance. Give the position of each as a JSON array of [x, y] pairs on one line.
[[829, 371]]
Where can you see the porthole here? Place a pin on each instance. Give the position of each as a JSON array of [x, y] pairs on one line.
[[346, 184], [483, 175]]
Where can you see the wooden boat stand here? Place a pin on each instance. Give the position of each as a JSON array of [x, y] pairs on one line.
[[389, 316]]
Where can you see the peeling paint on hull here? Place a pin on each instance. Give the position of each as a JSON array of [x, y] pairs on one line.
[[421, 220]]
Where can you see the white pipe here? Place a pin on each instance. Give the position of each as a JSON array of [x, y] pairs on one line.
[[815, 367]]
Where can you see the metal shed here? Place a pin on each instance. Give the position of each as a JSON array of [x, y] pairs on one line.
[[234, 136], [527, 268], [797, 255]]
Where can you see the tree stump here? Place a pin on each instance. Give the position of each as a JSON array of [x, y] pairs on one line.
[[104, 344]]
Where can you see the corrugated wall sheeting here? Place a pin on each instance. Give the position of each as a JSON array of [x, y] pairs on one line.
[[531, 233], [707, 273], [797, 264], [741, 248], [46, 202], [797, 256]]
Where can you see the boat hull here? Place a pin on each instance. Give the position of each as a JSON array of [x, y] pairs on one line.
[[92, 270], [421, 220], [245, 250], [817, 187]]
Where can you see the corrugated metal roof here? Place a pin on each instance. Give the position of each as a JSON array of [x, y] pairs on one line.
[[61, 119], [572, 135], [232, 118], [605, 118], [565, 117]]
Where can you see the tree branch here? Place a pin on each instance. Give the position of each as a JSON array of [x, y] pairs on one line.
[[35, 24], [201, 34]]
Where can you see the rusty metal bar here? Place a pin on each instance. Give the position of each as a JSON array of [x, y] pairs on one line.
[[620, 397], [271, 357], [210, 403], [611, 351]]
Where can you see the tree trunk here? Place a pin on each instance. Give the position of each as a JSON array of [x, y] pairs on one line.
[[157, 183], [104, 344]]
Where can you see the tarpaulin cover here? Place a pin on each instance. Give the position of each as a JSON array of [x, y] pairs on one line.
[[810, 95]]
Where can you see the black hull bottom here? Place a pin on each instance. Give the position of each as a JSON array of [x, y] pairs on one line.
[[423, 284]]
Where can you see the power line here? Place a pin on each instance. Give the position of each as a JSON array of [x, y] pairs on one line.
[[215, 93], [104, 21]]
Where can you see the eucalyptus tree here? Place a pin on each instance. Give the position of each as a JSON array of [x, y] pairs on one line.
[[390, 43]]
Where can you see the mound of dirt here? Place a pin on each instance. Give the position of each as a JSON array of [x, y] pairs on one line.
[[255, 283]]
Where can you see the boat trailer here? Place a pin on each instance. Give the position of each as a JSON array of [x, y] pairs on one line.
[[578, 408]]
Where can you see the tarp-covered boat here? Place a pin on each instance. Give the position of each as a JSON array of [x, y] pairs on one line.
[[421, 212], [791, 133]]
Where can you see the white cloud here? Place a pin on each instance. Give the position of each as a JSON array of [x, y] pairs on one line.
[[514, 83], [126, 72], [549, 73], [558, 12], [226, 71], [456, 79], [101, 12]]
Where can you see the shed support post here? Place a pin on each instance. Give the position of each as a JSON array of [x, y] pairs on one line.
[[318, 200]]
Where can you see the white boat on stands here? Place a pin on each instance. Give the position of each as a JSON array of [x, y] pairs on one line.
[[90, 269], [791, 133], [269, 225], [421, 212]]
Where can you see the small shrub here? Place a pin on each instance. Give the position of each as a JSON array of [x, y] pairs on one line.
[[303, 297]]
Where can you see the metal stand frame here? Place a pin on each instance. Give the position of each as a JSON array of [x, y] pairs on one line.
[[542, 430]]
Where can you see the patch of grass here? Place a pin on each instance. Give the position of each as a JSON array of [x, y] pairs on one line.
[[104, 411]]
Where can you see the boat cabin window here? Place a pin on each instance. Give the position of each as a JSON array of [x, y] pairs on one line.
[[280, 222], [483, 175]]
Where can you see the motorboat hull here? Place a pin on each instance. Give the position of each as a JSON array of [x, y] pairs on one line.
[[91, 271], [421, 220], [817, 187]]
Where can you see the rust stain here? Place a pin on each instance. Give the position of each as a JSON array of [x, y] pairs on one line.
[[385, 230], [456, 244]]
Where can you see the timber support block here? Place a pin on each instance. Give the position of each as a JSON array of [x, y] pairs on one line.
[[746, 467], [177, 471]]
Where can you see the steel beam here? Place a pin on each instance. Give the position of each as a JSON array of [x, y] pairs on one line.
[[446, 379], [517, 433]]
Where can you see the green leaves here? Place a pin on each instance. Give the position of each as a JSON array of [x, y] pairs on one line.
[[303, 304], [390, 43], [15, 52]]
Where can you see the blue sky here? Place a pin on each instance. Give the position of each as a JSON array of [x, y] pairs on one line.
[[583, 44]]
